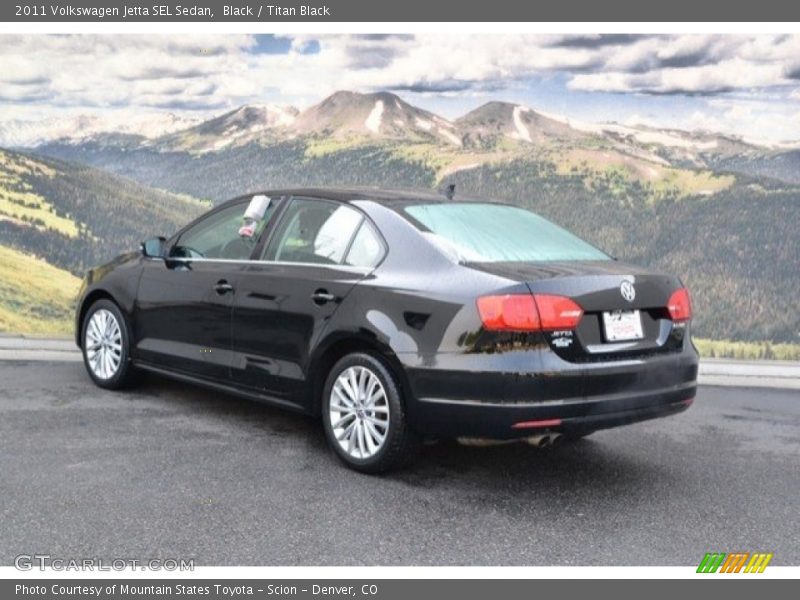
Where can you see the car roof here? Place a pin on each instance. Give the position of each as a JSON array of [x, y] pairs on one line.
[[380, 195]]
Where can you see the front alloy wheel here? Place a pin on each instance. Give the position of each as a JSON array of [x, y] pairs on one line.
[[105, 342], [364, 415]]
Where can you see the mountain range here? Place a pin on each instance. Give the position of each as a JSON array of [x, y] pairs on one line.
[[719, 210], [383, 116]]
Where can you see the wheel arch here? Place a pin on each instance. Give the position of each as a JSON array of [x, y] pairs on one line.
[[88, 300], [336, 347]]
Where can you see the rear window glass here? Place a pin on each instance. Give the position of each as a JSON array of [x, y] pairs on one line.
[[483, 232]]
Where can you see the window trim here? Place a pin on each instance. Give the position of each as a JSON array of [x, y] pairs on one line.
[[283, 202], [247, 261]]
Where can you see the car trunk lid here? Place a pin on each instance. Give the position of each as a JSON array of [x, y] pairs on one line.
[[625, 307]]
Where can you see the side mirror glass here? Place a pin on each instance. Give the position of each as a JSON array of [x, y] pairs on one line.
[[154, 247]]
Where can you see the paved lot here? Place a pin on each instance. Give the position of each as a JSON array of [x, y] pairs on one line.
[[170, 470]]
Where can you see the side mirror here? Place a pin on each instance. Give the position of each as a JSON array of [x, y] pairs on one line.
[[154, 247]]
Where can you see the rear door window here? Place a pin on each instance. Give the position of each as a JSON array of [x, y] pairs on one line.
[[313, 231]]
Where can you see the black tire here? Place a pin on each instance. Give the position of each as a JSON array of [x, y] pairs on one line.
[[401, 444], [125, 374]]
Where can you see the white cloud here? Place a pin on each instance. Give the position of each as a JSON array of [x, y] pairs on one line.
[[214, 72]]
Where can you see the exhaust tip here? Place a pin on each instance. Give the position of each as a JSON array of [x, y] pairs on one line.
[[547, 440]]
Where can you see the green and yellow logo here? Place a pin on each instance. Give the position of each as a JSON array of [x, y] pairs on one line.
[[736, 562]]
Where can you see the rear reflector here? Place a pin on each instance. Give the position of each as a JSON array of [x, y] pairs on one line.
[[528, 312], [535, 424], [679, 305]]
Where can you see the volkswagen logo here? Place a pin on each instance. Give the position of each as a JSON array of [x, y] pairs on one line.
[[627, 290]]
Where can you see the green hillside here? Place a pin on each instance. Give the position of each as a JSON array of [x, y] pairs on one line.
[[35, 297], [731, 238], [56, 219], [76, 216]]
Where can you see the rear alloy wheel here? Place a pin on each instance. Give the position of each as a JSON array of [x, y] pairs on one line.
[[364, 416], [105, 345]]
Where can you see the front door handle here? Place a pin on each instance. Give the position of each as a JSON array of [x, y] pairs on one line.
[[223, 287], [322, 297]]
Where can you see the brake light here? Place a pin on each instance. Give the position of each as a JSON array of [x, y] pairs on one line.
[[528, 312], [679, 305], [513, 312], [558, 312]]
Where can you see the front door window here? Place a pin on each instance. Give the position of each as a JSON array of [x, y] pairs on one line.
[[225, 234]]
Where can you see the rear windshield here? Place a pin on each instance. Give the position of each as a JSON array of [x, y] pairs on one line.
[[482, 232]]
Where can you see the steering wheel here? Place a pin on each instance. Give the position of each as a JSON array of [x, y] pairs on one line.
[[186, 252], [237, 248]]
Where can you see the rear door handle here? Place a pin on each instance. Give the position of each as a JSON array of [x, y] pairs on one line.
[[223, 287], [322, 297]]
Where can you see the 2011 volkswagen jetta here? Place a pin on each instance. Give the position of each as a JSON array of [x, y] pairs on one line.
[[396, 316]]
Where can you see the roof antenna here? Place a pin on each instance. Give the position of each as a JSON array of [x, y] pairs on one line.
[[450, 191]]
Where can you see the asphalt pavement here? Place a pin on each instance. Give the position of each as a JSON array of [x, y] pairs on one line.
[[170, 470]]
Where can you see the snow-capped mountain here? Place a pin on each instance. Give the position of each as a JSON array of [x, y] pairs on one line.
[[250, 123], [354, 118], [494, 120], [382, 114], [79, 127]]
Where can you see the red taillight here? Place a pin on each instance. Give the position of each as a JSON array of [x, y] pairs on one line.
[[558, 312], [679, 305], [526, 312], [513, 312]]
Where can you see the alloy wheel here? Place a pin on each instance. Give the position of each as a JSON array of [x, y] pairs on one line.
[[103, 344], [359, 412]]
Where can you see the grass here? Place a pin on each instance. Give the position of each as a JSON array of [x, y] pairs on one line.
[[747, 350], [617, 170], [35, 297], [18, 203], [692, 183], [317, 147], [33, 209]]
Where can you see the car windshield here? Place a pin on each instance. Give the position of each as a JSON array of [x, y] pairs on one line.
[[483, 232]]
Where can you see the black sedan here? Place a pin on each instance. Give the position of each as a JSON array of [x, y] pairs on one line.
[[396, 317]]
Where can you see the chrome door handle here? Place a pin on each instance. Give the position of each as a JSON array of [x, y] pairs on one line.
[[322, 297], [223, 287]]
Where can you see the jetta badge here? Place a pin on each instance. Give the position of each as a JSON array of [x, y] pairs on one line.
[[627, 290]]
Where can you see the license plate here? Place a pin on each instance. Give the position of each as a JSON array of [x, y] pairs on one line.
[[622, 325]]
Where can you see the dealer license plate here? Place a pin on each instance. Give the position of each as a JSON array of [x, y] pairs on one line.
[[622, 325]]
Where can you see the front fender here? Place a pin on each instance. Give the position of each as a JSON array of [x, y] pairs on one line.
[[117, 280]]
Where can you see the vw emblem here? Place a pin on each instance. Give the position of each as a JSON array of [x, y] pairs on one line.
[[627, 290]]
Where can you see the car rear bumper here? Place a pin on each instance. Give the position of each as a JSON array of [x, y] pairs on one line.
[[556, 396], [448, 418]]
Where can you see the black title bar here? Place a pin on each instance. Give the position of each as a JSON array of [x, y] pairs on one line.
[[257, 11]]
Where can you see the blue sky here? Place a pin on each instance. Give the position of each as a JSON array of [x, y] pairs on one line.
[[739, 84]]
